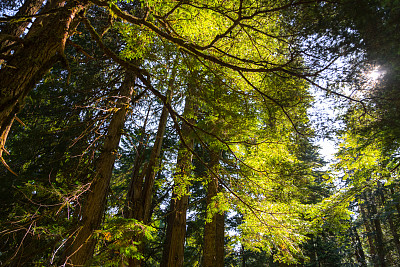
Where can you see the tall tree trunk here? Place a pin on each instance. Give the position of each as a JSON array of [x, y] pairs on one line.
[[368, 231], [358, 251], [243, 258], [82, 247], [220, 239], [176, 219], [141, 192], [41, 48], [9, 34], [378, 233], [135, 185], [371, 215], [392, 226], [213, 248]]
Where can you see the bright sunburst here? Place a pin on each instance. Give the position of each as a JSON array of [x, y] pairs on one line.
[[375, 74]]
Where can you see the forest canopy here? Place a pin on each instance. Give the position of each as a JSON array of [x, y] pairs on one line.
[[186, 132]]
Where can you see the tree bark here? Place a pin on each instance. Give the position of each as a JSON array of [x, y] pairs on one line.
[[15, 29], [213, 249], [41, 48], [220, 239], [176, 219], [243, 258], [82, 247], [368, 230], [358, 251], [141, 192], [393, 230], [378, 234]]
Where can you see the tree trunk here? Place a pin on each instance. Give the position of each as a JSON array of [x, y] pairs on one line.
[[15, 29], [140, 191], [243, 258], [220, 239], [358, 251], [392, 226], [378, 234], [368, 230], [176, 219], [135, 185], [213, 249], [82, 247], [41, 48], [140, 195]]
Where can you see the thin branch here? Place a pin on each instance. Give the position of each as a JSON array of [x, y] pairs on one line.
[[79, 49]]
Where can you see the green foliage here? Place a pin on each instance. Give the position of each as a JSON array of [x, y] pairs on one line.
[[244, 69], [117, 240]]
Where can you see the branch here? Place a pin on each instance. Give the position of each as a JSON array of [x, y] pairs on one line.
[[184, 44], [79, 48], [111, 54], [275, 101], [144, 77], [10, 37], [15, 19]]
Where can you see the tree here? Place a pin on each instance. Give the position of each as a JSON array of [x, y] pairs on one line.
[[176, 220], [34, 55], [213, 250], [83, 244], [230, 81]]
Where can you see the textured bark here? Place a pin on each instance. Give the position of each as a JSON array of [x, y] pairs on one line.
[[41, 48], [176, 231], [358, 250], [82, 247], [176, 219], [220, 239], [369, 233], [135, 185], [147, 191], [15, 29], [378, 234], [392, 226], [213, 249], [141, 191]]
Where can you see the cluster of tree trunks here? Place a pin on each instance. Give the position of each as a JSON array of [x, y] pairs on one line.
[[24, 61], [29, 49], [373, 222]]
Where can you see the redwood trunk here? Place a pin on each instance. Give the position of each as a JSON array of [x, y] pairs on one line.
[[220, 239], [82, 247], [16, 29], [176, 219], [213, 250], [378, 234], [140, 196], [140, 191], [41, 48], [392, 226], [368, 231], [358, 251]]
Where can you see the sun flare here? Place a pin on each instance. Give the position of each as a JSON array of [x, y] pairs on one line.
[[375, 74]]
